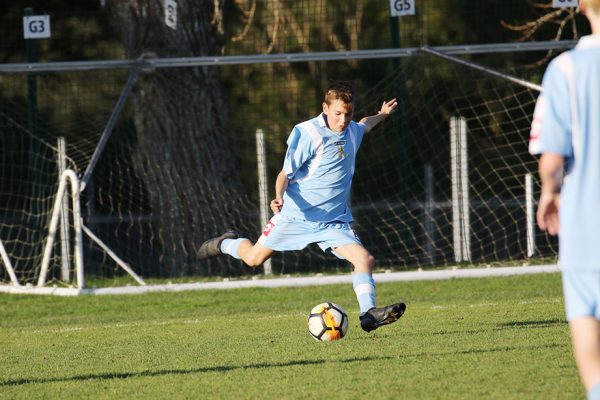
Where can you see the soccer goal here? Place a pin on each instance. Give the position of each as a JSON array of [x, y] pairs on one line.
[[113, 174]]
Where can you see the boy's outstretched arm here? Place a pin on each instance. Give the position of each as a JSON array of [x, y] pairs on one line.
[[387, 108], [280, 186]]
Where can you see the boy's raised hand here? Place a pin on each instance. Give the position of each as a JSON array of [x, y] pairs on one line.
[[388, 107]]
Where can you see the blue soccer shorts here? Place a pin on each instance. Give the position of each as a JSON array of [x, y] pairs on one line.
[[283, 234], [581, 289]]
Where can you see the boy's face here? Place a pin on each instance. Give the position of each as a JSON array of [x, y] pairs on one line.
[[339, 115]]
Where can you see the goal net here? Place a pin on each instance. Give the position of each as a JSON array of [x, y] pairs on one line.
[[446, 181]]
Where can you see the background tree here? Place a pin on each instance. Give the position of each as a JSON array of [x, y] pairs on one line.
[[549, 23], [181, 119]]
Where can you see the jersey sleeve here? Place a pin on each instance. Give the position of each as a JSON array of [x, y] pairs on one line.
[[360, 131], [298, 152], [551, 129]]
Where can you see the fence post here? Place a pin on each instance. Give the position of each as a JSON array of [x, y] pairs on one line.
[[65, 248], [460, 189], [429, 207], [529, 212], [263, 189]]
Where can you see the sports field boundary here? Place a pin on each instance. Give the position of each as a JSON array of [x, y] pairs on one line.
[[317, 280]]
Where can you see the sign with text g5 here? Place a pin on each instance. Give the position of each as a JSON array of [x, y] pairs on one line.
[[399, 8]]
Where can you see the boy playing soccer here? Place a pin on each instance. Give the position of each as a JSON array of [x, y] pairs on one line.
[[311, 200], [566, 131]]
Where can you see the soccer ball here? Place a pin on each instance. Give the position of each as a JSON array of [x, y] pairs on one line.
[[327, 322]]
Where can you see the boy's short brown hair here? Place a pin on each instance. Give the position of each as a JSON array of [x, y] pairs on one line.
[[341, 90]]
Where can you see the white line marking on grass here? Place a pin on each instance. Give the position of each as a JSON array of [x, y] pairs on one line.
[[319, 280], [521, 303], [109, 326], [143, 324], [463, 306], [332, 279], [555, 300], [60, 330], [483, 305]]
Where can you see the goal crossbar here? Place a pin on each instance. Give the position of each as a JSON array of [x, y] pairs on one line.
[[149, 63]]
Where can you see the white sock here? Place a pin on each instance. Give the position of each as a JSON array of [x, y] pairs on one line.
[[230, 246]]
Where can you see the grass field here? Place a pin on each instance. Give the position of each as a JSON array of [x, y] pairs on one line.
[[492, 338]]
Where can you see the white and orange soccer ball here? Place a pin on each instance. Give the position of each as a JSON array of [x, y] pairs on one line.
[[327, 322]]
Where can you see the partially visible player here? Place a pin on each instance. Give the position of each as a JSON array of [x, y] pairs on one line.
[[311, 200], [566, 131]]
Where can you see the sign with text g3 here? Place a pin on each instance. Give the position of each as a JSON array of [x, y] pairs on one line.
[[36, 27], [564, 3], [399, 8]]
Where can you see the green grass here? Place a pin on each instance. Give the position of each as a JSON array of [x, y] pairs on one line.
[[497, 338]]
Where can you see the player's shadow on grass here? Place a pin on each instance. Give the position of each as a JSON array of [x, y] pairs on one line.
[[227, 368], [545, 323], [222, 368]]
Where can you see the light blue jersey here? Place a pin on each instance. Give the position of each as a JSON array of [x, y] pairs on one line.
[[319, 164], [567, 122]]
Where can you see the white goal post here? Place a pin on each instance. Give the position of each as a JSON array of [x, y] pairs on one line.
[[8, 265], [68, 177]]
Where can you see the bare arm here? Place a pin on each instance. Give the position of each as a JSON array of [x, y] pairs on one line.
[[550, 170], [280, 185], [387, 108]]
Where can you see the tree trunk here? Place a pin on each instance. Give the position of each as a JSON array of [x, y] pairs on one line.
[[183, 151]]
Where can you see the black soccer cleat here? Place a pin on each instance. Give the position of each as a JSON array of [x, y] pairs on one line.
[[212, 247], [376, 317]]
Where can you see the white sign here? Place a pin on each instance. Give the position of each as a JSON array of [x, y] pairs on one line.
[[564, 3], [399, 8], [171, 13], [36, 27]]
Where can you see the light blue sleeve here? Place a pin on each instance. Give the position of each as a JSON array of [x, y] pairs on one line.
[[555, 121], [299, 151], [360, 134]]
